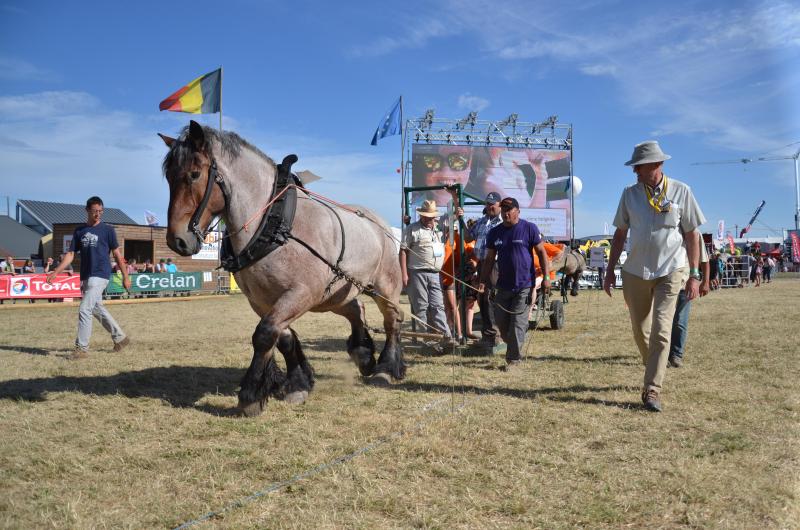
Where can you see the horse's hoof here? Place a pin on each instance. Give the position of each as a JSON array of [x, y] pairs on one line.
[[253, 409], [296, 398], [381, 379]]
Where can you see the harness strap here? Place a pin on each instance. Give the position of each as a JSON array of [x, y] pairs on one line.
[[213, 176], [337, 271], [275, 226]]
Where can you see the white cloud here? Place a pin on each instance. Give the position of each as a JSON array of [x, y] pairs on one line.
[[45, 105], [469, 102], [416, 35], [599, 69], [18, 70]]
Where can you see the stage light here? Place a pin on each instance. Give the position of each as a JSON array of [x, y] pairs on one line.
[[427, 121], [471, 118], [511, 120]]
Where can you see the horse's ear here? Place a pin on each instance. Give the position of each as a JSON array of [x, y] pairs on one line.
[[196, 135], [167, 140]]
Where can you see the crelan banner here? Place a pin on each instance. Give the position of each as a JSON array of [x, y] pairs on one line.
[[148, 283]]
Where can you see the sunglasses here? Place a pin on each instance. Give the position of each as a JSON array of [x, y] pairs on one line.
[[455, 161]]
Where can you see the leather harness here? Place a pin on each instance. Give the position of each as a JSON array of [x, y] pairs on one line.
[[275, 228]]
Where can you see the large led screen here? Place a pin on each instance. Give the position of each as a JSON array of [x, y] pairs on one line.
[[537, 178]]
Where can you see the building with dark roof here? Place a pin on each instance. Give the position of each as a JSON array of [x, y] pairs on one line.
[[16, 239], [40, 216]]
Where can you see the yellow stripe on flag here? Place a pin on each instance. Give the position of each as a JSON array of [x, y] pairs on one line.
[[192, 99]]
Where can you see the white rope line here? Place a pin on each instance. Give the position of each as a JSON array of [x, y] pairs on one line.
[[343, 459]]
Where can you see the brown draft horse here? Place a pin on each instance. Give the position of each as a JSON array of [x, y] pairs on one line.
[[212, 173]]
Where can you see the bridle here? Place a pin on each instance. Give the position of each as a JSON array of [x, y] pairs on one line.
[[213, 177]]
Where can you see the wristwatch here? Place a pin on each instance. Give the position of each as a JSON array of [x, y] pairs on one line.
[[695, 273]]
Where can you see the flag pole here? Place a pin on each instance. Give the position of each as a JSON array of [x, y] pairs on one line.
[[220, 99], [219, 238], [402, 164]]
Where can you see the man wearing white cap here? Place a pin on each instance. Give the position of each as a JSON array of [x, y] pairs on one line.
[[421, 259], [662, 215]]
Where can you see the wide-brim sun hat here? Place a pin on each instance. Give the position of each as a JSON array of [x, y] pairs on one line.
[[647, 153], [428, 209]]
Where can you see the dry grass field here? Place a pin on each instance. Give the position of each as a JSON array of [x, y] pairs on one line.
[[145, 438]]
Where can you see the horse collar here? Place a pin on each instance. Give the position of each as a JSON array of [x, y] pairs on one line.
[[276, 223]]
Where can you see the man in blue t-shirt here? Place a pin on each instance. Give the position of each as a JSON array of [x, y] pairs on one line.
[[512, 243], [94, 240]]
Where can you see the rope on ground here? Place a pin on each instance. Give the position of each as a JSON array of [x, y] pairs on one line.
[[343, 459]]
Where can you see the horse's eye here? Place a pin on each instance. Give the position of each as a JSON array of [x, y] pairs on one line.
[[194, 175]]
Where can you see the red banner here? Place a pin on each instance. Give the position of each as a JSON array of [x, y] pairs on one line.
[[730, 242], [36, 286], [795, 247]]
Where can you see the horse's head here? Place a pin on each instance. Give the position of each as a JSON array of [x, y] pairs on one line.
[[194, 199]]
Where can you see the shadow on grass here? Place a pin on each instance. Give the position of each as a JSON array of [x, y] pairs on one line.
[[552, 393], [180, 386], [29, 350], [629, 360]]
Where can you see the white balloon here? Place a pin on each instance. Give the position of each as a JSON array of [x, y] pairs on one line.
[[577, 184]]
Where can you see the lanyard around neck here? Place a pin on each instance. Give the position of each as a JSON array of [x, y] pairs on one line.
[[657, 201]]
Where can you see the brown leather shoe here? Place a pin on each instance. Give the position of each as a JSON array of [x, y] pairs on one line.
[[77, 354], [651, 400], [121, 344], [675, 361]]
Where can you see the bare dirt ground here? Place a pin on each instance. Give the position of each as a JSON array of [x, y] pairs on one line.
[[144, 438]]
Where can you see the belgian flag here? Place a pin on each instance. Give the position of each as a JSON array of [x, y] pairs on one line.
[[200, 96]]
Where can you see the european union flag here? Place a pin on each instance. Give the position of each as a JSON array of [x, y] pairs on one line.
[[390, 124]]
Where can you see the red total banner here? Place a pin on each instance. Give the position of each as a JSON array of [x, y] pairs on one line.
[[36, 286]]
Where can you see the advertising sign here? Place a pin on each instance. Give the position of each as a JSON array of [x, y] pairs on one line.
[[597, 257], [148, 283], [538, 178], [721, 229], [36, 286], [210, 247], [795, 237]]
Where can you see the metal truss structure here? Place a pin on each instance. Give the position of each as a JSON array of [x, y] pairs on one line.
[[548, 134]]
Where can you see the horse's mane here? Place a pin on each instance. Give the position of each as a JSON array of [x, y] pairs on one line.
[[230, 143]]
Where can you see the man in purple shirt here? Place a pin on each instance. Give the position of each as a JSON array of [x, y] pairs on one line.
[[513, 243]]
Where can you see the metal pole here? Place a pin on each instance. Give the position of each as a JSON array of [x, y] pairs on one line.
[[220, 99], [572, 191], [403, 208], [219, 239], [797, 193]]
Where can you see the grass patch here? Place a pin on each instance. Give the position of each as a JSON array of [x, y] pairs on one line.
[[144, 438]]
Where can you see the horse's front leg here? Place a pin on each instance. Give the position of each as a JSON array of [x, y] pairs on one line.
[[263, 377], [299, 374]]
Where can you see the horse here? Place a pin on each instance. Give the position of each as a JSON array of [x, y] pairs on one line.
[[321, 258], [571, 264]]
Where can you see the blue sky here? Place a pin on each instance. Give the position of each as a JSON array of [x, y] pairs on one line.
[[80, 84]]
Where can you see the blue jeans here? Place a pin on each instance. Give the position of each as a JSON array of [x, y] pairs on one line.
[[680, 325]]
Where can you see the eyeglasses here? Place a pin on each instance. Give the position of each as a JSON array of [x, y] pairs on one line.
[[96, 212], [456, 161]]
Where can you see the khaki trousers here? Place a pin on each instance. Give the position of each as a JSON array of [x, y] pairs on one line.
[[651, 304]]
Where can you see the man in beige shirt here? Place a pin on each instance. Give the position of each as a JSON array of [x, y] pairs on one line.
[[421, 259], [662, 215]]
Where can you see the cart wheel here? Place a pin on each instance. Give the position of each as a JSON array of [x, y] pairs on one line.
[[556, 314]]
